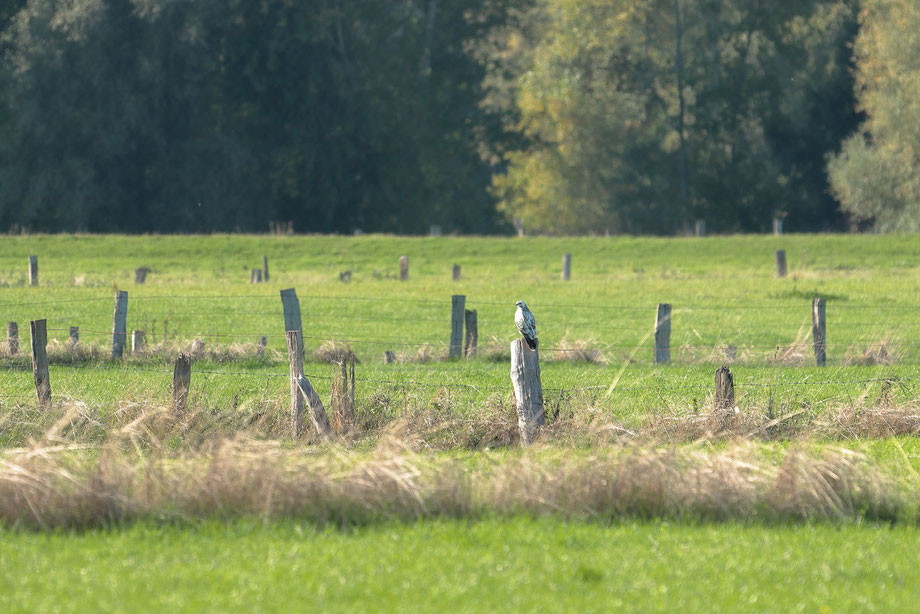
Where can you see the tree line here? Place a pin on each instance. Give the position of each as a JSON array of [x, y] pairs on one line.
[[555, 116]]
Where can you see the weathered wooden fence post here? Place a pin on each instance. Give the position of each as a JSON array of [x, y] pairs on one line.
[[255, 277], [403, 268], [663, 334], [265, 268], [12, 338], [389, 356], [566, 267], [40, 362], [74, 336], [182, 379], [700, 228], [777, 226], [33, 270], [780, 263], [317, 411], [457, 310], [137, 341], [140, 274], [819, 331], [472, 333], [455, 274], [120, 324], [291, 308], [528, 389], [724, 398], [343, 396], [295, 361]]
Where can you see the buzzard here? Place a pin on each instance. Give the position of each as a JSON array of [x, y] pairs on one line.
[[526, 324]]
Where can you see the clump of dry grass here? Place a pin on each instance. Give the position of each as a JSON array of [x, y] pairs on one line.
[[334, 352], [800, 352], [578, 351], [425, 353], [882, 352]]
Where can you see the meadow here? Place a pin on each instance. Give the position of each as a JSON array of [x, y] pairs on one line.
[[109, 469]]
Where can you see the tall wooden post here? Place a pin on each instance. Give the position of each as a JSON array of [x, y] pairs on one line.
[[182, 379], [40, 362], [780, 263], [291, 306], [12, 338], [663, 334], [566, 267], [403, 268], [819, 331], [724, 398], [528, 389], [777, 226], [33, 270], [295, 361], [472, 333], [265, 269], [457, 309], [120, 324]]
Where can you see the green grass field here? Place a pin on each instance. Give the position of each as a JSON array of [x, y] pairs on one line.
[[724, 292]]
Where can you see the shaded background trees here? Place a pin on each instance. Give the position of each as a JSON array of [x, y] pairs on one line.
[[568, 115]]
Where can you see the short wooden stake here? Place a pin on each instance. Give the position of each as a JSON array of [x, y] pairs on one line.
[[455, 273], [295, 361], [724, 398], [255, 277], [315, 405], [457, 309], [137, 341], [700, 228], [663, 334], [389, 356], [780, 263], [120, 324], [403, 268], [777, 226], [528, 389], [40, 362], [12, 338], [265, 269], [819, 330], [291, 308], [343, 397], [33, 270], [140, 274], [182, 379], [74, 335], [345, 276], [472, 333], [566, 267]]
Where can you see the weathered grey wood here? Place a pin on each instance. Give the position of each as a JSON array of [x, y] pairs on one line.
[[777, 226], [345, 276], [137, 341], [389, 356], [724, 398], [182, 379], [403, 268], [140, 274], [33, 270], [315, 405], [120, 324], [455, 273], [295, 361], [528, 389], [343, 397], [265, 269], [291, 308], [472, 333], [12, 338], [457, 310], [663, 334], [40, 362], [780, 263], [255, 277], [700, 228], [74, 335], [566, 267], [819, 331], [260, 348]]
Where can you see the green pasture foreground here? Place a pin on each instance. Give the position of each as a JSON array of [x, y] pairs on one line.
[[510, 565]]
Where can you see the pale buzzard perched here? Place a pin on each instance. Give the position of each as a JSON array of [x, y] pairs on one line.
[[526, 324]]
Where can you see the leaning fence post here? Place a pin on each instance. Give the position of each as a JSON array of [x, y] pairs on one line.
[[317, 411], [455, 274], [295, 361], [780, 263], [120, 324], [12, 338], [528, 390], [182, 379], [457, 309], [292, 313], [40, 362], [265, 269], [472, 333], [566, 267], [819, 331], [663, 334], [33, 270], [74, 336]]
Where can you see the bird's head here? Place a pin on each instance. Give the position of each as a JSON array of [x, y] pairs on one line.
[[521, 304]]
